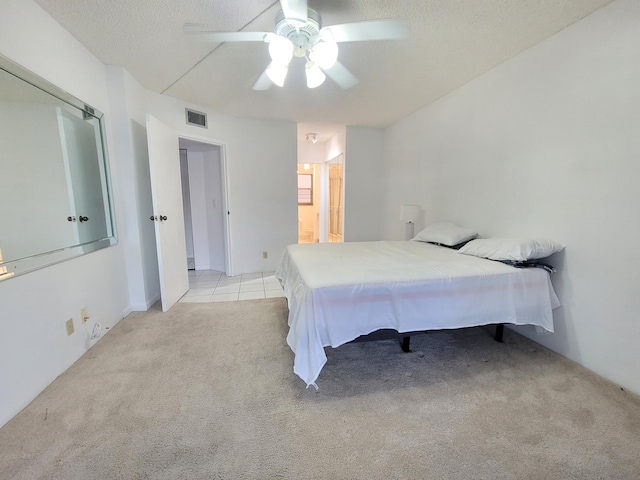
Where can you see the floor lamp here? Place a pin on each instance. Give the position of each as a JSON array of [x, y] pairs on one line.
[[409, 215]]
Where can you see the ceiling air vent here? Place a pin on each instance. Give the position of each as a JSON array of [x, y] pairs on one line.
[[198, 119]]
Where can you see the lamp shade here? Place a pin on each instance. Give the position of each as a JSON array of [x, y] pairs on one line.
[[325, 52], [280, 49], [409, 213], [315, 76], [277, 73]]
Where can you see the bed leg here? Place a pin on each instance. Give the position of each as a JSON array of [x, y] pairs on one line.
[[405, 344], [499, 332]]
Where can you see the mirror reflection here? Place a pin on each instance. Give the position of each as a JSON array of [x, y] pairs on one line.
[[54, 196]]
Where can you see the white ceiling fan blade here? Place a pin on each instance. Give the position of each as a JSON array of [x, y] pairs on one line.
[[341, 75], [263, 82], [295, 11], [389, 29], [197, 31]]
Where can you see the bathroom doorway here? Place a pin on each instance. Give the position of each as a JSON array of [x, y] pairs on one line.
[[309, 201], [321, 201]]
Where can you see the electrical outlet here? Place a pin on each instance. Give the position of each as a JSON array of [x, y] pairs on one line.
[[70, 328], [84, 315], [265, 254]]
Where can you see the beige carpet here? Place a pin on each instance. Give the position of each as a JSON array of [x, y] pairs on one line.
[[207, 391]]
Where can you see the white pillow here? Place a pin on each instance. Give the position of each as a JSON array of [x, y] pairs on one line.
[[445, 234], [511, 248]]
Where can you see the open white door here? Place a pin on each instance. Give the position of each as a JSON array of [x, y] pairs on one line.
[[166, 192]]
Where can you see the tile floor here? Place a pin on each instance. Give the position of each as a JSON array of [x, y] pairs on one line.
[[213, 286]]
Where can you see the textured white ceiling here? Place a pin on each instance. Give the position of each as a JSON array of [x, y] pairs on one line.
[[452, 42]]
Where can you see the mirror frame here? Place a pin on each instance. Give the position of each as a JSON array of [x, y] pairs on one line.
[[41, 260]]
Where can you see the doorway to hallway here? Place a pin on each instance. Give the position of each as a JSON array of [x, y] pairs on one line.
[[321, 201], [204, 205]]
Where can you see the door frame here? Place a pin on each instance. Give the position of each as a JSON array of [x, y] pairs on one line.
[[226, 222]]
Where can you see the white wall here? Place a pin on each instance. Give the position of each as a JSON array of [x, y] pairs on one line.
[[312, 152], [364, 180], [547, 144], [336, 145], [130, 147], [34, 346]]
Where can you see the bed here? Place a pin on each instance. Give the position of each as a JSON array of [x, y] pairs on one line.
[[338, 292]]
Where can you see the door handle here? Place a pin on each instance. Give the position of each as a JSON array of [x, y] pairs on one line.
[[163, 217], [152, 218], [83, 219]]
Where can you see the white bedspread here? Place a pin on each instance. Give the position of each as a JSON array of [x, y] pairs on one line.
[[339, 291]]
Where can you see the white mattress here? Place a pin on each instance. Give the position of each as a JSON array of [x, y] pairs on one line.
[[339, 291]]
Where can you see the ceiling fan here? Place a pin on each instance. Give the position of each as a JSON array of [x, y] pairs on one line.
[[299, 33]]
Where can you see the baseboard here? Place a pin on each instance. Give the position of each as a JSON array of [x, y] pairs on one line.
[[152, 301], [143, 307]]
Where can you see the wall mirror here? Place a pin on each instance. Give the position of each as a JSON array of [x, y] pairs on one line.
[[54, 186]]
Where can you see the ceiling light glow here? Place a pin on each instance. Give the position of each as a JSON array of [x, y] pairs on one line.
[[277, 73], [280, 49], [315, 76], [325, 52]]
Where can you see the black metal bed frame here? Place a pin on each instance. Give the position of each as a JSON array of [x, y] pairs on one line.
[[405, 338]]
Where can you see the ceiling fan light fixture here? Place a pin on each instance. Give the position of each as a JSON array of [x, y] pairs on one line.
[[277, 73], [280, 49], [315, 76], [325, 52]]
